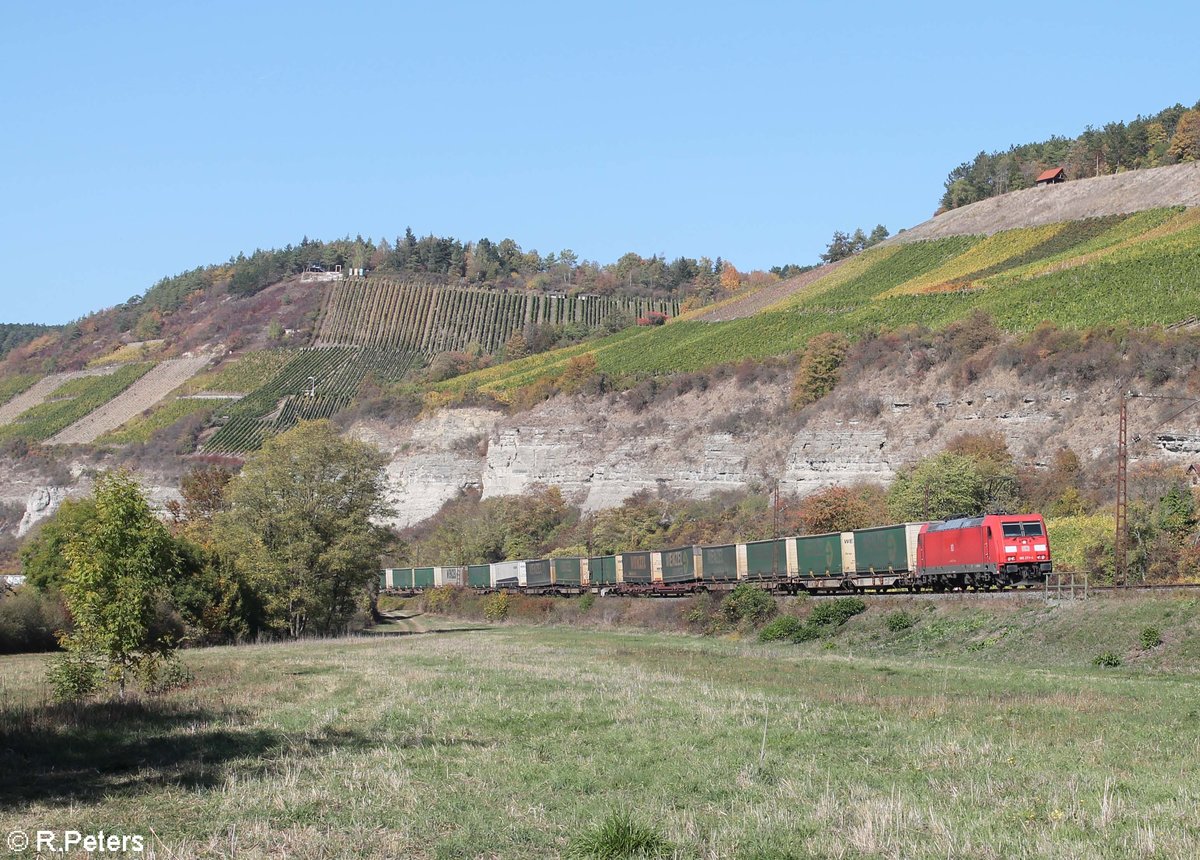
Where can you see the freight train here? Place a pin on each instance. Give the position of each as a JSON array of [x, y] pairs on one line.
[[994, 551]]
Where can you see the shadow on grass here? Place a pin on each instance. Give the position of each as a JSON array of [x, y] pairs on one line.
[[70, 754], [375, 633]]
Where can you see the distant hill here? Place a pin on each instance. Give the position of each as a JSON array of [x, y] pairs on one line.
[[1171, 136]]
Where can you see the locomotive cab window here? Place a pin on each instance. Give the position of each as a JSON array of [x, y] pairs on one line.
[[1032, 529], [1012, 529]]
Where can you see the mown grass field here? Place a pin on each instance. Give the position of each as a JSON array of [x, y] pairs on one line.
[[939, 740]]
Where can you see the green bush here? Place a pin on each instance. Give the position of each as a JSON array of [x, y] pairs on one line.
[[1107, 659], [748, 603], [587, 602], [439, 599], [495, 606], [898, 620], [1151, 638], [169, 675], [28, 621], [616, 838], [781, 628], [806, 633], [74, 677], [837, 612]]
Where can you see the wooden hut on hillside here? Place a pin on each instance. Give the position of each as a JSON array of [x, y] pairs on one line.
[[1051, 177]]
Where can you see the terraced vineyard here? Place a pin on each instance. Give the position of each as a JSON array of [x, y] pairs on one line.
[[11, 386], [1143, 268], [70, 402], [315, 383], [414, 316]]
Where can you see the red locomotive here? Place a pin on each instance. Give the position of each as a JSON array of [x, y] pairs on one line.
[[983, 551]]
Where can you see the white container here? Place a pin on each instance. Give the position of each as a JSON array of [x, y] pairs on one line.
[[449, 576], [508, 574]]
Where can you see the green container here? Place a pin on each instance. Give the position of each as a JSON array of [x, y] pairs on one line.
[[635, 567], [566, 571], [720, 563], [402, 577], [383, 574], [819, 555], [880, 549], [479, 575], [422, 577], [602, 570], [766, 559], [679, 565], [537, 573]]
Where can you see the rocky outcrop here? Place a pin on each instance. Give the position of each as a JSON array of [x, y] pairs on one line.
[[599, 452], [42, 504]]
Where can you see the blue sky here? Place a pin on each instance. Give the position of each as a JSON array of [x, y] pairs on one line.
[[144, 139]]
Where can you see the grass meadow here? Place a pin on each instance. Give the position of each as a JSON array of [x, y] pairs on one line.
[[519, 740]]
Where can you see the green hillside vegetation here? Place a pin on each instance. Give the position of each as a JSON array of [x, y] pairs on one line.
[[70, 402], [1171, 136], [1143, 269]]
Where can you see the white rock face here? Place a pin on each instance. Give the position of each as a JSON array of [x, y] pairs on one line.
[[42, 504], [728, 437], [432, 459]]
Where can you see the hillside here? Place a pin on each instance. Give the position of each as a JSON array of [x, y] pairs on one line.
[[494, 390], [1116, 194], [1171, 136], [1143, 269]]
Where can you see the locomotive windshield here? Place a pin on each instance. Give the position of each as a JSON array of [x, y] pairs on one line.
[[1022, 529]]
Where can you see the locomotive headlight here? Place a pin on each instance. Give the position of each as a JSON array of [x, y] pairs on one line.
[[1011, 558]]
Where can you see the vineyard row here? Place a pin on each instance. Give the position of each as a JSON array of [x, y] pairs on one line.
[[315, 383], [431, 319]]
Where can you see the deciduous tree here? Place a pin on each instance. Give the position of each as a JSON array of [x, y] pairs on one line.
[[120, 563], [303, 527]]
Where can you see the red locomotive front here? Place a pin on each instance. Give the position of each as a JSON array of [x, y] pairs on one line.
[[983, 551]]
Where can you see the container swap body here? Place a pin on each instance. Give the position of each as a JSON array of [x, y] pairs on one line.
[[634, 568], [718, 563], [422, 577], [602, 570], [508, 574], [449, 576], [885, 549], [537, 573], [680, 565], [401, 578], [766, 559], [819, 555], [479, 575], [567, 571]]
